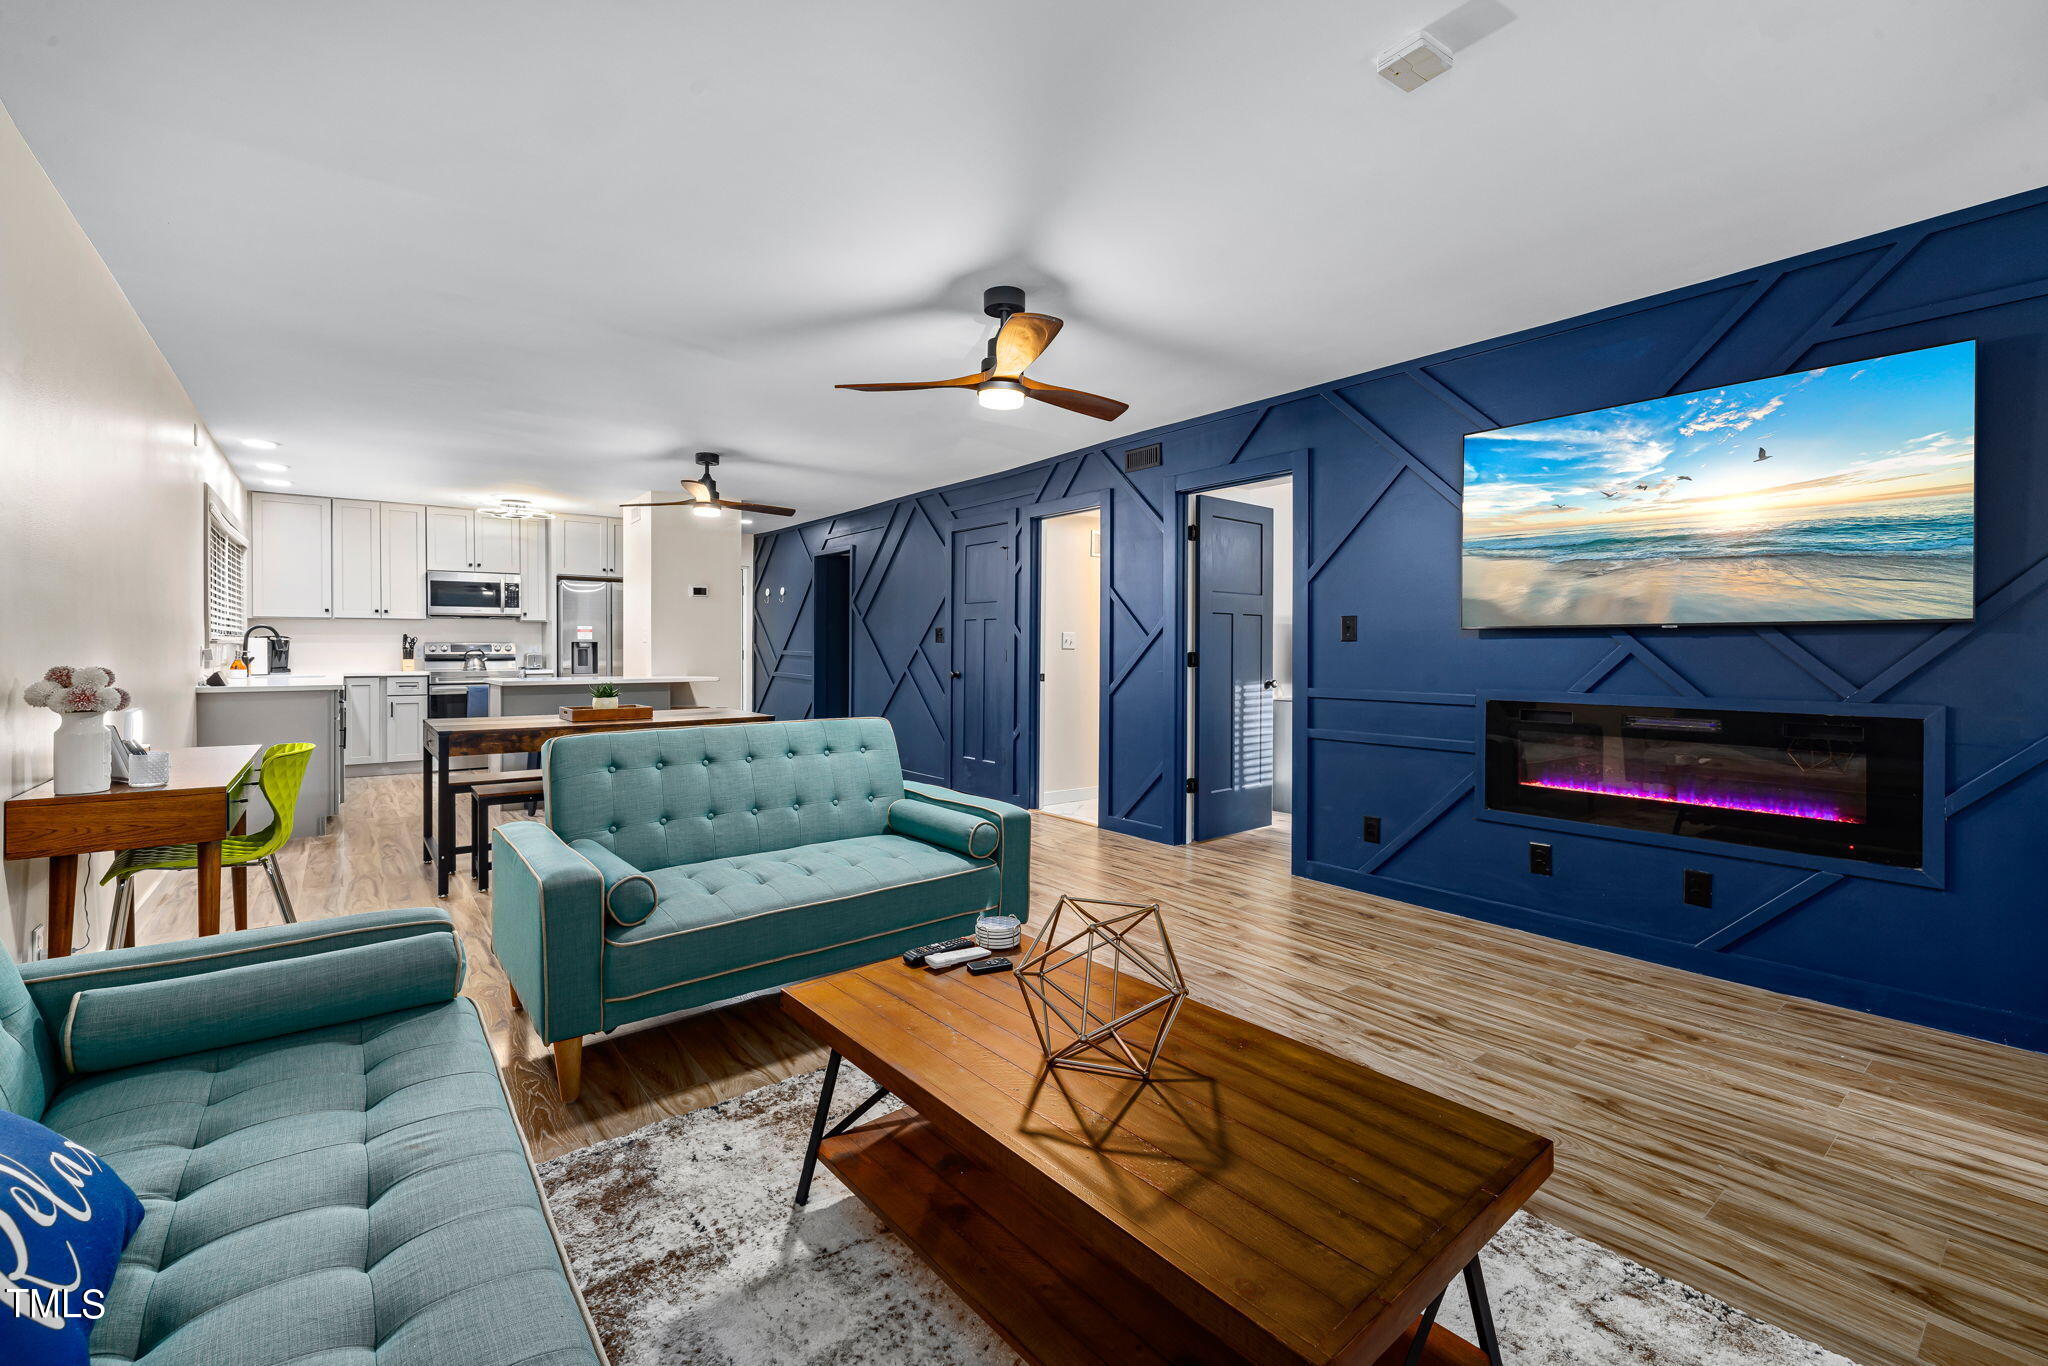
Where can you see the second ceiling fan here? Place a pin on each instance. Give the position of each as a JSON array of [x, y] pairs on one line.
[[703, 495], [1001, 382]]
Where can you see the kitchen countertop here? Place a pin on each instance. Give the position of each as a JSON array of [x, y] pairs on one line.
[[331, 682], [585, 680], [278, 683]]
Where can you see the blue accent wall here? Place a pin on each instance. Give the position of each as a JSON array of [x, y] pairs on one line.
[[1386, 724]]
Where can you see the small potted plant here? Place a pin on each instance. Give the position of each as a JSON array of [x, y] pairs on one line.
[[81, 758], [604, 695]]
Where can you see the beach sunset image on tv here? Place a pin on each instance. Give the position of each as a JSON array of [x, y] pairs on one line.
[[1845, 493]]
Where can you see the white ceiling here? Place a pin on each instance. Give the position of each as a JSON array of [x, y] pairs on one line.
[[452, 250]]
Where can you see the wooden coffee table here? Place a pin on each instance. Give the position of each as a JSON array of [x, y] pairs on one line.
[[1258, 1200]]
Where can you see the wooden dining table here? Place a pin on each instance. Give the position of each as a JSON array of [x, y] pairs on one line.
[[201, 805], [445, 738]]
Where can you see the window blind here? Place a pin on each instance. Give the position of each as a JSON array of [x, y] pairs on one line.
[[226, 582]]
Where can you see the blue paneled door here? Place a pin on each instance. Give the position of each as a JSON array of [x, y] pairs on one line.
[[1233, 639], [984, 660]]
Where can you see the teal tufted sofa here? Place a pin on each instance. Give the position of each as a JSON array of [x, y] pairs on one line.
[[329, 1171], [676, 868]]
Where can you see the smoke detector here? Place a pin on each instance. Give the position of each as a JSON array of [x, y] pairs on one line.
[[1414, 60]]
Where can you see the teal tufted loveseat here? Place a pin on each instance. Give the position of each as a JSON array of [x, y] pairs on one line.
[[676, 868], [314, 1121]]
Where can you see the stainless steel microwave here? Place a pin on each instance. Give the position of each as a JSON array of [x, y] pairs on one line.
[[454, 593]]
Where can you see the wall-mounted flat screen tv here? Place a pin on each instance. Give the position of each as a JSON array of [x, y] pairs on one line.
[[1845, 493]]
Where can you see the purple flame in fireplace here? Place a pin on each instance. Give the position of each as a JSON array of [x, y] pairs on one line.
[[1771, 804]]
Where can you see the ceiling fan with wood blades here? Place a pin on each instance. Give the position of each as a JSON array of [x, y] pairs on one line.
[[703, 496], [1001, 382]]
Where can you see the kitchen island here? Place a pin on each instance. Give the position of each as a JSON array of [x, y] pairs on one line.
[[546, 696], [277, 709]]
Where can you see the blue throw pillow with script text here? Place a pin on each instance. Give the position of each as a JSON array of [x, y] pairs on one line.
[[64, 1218]]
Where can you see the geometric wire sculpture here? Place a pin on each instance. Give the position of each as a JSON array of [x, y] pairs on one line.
[[1092, 989]]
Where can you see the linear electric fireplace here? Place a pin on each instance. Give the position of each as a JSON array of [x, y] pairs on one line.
[[1848, 787]]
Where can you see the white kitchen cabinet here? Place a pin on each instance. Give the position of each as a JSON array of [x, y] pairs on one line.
[[363, 717], [536, 587], [497, 544], [462, 538], [291, 565], [404, 714], [379, 549], [404, 528], [451, 538], [358, 542], [589, 547]]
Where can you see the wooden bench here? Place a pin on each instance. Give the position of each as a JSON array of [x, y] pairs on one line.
[[510, 789]]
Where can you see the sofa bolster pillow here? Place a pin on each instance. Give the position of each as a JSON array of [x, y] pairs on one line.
[[629, 894], [961, 831], [110, 1027]]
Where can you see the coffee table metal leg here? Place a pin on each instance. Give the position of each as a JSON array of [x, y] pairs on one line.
[[1482, 1311], [819, 1133], [803, 1184], [1422, 1329]]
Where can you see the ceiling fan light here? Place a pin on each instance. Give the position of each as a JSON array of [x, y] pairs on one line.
[[704, 510], [1002, 395]]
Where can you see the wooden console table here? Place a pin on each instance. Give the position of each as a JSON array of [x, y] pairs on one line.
[[449, 737], [1257, 1200], [199, 805]]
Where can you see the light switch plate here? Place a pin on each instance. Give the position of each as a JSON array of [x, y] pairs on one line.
[[1069, 640]]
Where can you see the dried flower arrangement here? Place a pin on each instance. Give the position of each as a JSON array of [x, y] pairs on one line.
[[70, 689]]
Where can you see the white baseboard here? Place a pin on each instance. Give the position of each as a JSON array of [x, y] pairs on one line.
[[1067, 794]]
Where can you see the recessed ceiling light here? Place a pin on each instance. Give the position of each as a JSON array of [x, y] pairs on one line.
[[268, 466], [257, 443], [746, 521], [279, 483]]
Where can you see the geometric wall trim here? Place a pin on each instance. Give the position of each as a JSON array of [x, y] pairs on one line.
[[1386, 723]]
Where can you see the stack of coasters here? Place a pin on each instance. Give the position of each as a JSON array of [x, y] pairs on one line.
[[998, 933]]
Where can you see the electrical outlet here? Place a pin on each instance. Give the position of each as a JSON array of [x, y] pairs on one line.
[[1070, 640], [1347, 628], [35, 944], [1699, 888], [1369, 830], [1539, 859]]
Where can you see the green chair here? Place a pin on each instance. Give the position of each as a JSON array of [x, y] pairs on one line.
[[283, 772]]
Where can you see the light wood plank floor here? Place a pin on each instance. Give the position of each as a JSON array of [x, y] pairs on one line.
[[1878, 1188]]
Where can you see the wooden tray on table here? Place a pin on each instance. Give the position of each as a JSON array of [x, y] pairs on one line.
[[583, 715]]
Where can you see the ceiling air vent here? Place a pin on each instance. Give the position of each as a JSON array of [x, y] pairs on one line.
[[1144, 458]]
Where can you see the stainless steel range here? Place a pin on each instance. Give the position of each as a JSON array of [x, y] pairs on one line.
[[454, 665]]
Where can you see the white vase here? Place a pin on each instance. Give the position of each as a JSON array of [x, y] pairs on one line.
[[602, 702], [81, 755]]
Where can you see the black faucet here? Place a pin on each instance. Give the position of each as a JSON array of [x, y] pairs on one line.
[[280, 651]]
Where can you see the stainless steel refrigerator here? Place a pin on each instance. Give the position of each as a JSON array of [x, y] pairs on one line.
[[590, 627]]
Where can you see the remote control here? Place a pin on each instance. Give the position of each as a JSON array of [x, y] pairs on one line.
[[939, 962], [915, 957], [989, 965]]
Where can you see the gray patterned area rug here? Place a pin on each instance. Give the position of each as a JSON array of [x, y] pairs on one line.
[[690, 1251]]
